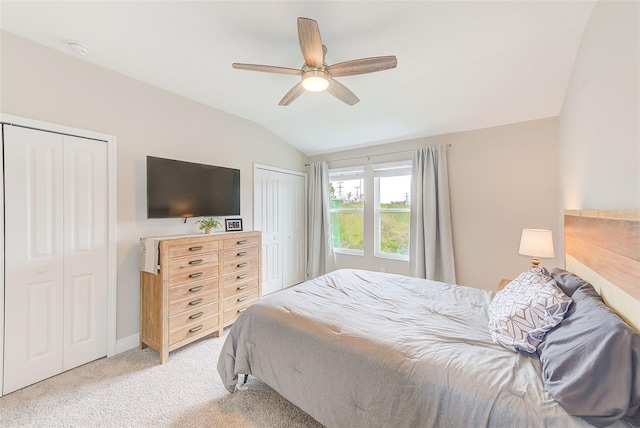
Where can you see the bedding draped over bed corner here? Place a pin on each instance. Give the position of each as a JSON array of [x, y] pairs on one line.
[[321, 258], [431, 246]]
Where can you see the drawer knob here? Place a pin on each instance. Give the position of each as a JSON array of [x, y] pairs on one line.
[[244, 275], [194, 289], [241, 310], [195, 302], [242, 299], [194, 329], [241, 265], [242, 253], [198, 248], [242, 287], [244, 241], [198, 315], [196, 275], [196, 262]]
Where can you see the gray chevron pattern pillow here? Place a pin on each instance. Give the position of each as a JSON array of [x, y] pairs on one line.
[[528, 307]]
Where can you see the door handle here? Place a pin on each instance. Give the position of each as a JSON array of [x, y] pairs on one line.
[[196, 262], [242, 299], [243, 253], [194, 289], [242, 287], [244, 241], [241, 265], [194, 329], [198, 248], [198, 315], [195, 302], [244, 275], [196, 275]]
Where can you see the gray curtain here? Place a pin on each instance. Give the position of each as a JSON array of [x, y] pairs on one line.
[[320, 256], [431, 245]]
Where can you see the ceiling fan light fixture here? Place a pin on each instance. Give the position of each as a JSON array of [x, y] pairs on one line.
[[315, 80]]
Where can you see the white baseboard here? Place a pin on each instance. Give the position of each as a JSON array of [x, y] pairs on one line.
[[127, 343]]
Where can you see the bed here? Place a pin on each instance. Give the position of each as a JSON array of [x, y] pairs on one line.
[[355, 348]]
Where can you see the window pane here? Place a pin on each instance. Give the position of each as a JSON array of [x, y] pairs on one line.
[[395, 192], [394, 233], [347, 230], [347, 207]]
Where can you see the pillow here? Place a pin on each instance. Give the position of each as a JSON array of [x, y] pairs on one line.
[[567, 281], [591, 362], [521, 313]]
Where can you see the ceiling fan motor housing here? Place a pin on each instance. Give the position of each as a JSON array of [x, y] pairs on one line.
[[314, 79]]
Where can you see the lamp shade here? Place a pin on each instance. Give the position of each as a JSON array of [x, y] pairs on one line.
[[536, 243]]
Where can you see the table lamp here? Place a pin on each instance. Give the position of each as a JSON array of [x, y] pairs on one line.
[[536, 243]]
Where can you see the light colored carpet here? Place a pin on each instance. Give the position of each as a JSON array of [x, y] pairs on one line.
[[133, 390]]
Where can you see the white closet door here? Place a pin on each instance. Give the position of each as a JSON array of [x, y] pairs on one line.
[[293, 210], [85, 251], [34, 242], [267, 218]]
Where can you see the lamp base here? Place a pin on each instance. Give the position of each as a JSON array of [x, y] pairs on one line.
[[535, 262]]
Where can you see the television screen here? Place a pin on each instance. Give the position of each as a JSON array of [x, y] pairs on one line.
[[186, 189]]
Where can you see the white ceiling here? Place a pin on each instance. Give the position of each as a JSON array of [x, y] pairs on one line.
[[461, 64]]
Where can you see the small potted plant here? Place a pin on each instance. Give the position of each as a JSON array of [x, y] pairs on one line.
[[207, 224]]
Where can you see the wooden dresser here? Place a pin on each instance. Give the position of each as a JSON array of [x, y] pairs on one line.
[[202, 285]]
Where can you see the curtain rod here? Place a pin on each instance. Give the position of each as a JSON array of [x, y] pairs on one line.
[[370, 156]]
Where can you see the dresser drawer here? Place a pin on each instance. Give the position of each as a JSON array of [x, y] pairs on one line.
[[241, 297], [233, 308], [234, 266], [179, 250], [189, 296], [241, 287], [240, 253], [239, 278], [192, 263], [181, 271], [193, 322], [233, 243]]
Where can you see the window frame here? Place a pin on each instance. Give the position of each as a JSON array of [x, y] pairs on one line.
[[388, 169]]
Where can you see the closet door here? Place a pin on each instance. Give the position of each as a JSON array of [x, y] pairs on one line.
[[279, 212], [56, 259], [85, 251], [34, 252], [293, 209], [267, 218]]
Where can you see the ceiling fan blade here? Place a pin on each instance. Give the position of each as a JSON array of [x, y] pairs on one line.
[[294, 93], [267, 68], [362, 66], [342, 93], [310, 42]]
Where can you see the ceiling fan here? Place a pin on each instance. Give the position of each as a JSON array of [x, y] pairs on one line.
[[315, 73]]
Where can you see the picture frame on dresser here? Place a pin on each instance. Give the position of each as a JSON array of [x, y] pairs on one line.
[[233, 224]]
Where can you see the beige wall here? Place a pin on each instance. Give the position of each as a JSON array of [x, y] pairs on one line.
[[43, 84], [599, 125], [502, 180]]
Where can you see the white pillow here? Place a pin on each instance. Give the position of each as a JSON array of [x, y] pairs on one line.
[[529, 306]]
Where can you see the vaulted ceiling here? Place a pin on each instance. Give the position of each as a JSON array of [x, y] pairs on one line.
[[461, 64]]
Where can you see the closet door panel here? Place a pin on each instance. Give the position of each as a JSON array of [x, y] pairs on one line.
[[34, 274], [294, 239], [267, 218], [85, 244]]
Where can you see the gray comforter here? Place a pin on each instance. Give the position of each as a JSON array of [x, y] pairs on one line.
[[357, 348]]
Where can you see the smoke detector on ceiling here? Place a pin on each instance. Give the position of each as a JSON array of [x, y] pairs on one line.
[[79, 48]]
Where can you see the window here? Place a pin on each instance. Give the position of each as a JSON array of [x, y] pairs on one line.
[[347, 209], [392, 209]]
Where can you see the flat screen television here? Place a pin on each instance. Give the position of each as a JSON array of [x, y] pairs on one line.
[[178, 189]]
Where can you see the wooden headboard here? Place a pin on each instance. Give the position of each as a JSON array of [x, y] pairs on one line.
[[603, 248]]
